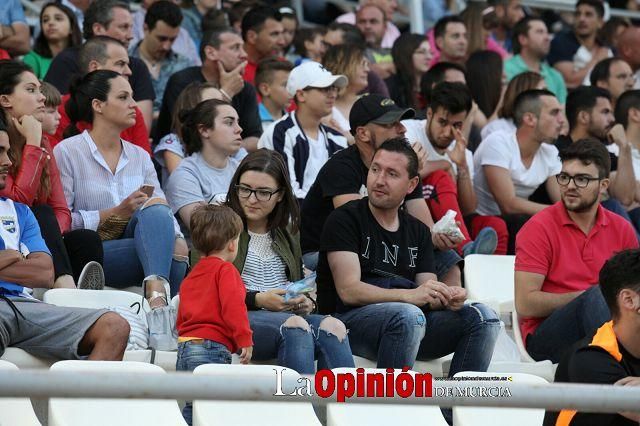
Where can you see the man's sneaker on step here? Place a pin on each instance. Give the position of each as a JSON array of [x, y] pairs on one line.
[[485, 243], [91, 277]]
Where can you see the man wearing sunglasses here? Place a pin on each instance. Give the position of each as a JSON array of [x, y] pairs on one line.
[[560, 251]]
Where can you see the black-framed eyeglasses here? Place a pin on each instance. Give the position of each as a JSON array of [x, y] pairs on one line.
[[581, 181], [260, 194]]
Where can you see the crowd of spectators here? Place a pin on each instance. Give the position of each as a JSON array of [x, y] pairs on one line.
[[221, 150]]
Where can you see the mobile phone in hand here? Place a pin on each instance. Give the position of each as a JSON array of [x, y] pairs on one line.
[[147, 189]]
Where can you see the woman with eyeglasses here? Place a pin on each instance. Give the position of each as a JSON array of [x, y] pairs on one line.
[[212, 138], [268, 257]]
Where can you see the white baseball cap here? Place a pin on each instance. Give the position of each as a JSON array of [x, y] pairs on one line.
[[313, 74]]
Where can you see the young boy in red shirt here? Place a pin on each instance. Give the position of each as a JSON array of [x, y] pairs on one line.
[[212, 317]]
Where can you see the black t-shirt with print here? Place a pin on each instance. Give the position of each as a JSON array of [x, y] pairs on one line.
[[344, 173], [381, 253]]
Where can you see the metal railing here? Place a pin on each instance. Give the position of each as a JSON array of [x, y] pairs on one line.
[[186, 386]]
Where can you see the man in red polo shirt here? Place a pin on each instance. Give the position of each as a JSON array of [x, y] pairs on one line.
[[560, 251], [104, 53]]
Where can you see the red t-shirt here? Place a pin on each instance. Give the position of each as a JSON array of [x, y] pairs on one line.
[[212, 305], [551, 244], [136, 134]]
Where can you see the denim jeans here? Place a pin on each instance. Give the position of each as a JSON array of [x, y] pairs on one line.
[[146, 248], [194, 353], [396, 334], [294, 347], [576, 320]]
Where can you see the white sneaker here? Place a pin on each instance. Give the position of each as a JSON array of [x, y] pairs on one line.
[[91, 277]]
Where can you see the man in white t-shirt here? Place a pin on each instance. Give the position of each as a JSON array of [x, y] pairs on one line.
[[627, 114], [449, 171], [512, 166], [299, 136]]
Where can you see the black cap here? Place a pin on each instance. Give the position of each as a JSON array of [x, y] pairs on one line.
[[377, 109]]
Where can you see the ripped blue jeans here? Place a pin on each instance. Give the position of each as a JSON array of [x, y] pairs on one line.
[[396, 334], [294, 347]]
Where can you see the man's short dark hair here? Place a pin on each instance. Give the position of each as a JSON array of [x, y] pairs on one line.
[[435, 75], [95, 49], [214, 39], [602, 70], [596, 4], [589, 151], [255, 18], [528, 101], [452, 97], [440, 29], [583, 98], [350, 33], [100, 12], [165, 11], [402, 146], [620, 272], [521, 28], [626, 101]]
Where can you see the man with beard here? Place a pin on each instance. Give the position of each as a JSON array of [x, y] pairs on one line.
[[371, 21], [448, 184], [560, 251], [590, 115], [531, 42], [511, 166], [576, 51], [508, 13], [376, 273]]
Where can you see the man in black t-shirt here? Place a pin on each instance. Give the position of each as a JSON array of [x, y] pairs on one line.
[[223, 62], [373, 120], [376, 274], [612, 355]]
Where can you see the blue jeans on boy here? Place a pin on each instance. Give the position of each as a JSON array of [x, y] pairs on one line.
[[294, 347], [565, 326], [146, 248], [193, 353]]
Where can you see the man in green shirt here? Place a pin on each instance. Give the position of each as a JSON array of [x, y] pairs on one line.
[[531, 43]]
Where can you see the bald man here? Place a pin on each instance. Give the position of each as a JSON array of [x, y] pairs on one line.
[[628, 50]]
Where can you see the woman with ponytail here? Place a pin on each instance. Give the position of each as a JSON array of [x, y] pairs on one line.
[[170, 150], [111, 186], [34, 180], [212, 138]]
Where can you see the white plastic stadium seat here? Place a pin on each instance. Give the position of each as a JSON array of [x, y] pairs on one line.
[[109, 412], [231, 413], [517, 336], [492, 416], [437, 367], [24, 359], [96, 299], [16, 411], [346, 414], [490, 279]]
